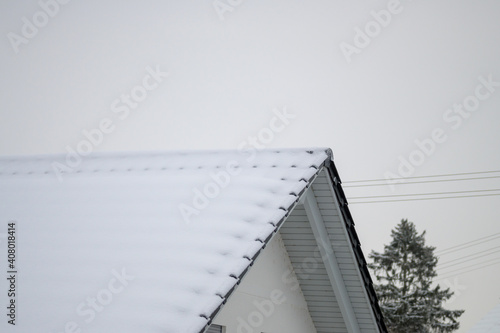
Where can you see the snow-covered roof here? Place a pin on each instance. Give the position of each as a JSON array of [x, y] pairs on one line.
[[169, 235], [490, 323]]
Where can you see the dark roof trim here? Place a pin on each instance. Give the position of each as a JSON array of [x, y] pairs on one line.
[[356, 246]]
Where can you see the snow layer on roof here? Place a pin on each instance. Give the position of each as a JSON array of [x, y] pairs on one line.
[[489, 323], [141, 242]]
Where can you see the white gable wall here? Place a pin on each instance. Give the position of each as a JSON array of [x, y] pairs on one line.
[[264, 301]]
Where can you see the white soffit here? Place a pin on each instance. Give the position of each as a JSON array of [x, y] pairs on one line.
[[324, 250], [330, 261]]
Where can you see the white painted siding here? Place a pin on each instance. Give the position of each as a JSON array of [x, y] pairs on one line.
[[314, 281], [344, 254]]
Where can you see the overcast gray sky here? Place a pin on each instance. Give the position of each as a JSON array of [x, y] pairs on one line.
[[366, 78]]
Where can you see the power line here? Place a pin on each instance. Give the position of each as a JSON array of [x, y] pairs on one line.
[[446, 264], [450, 274], [462, 262], [419, 199], [424, 181], [419, 177], [459, 247], [465, 267], [419, 194], [467, 271], [463, 245]]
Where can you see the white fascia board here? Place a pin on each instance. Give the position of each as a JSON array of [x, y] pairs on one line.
[[330, 262]]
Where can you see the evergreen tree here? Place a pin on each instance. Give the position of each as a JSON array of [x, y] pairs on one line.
[[407, 298]]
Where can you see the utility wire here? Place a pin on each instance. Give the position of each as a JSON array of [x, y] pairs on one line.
[[455, 248], [459, 272], [419, 194], [423, 181], [465, 267], [418, 199], [419, 177], [471, 270], [474, 255], [459, 263], [467, 244]]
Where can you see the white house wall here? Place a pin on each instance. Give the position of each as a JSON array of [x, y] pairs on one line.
[[266, 300]]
